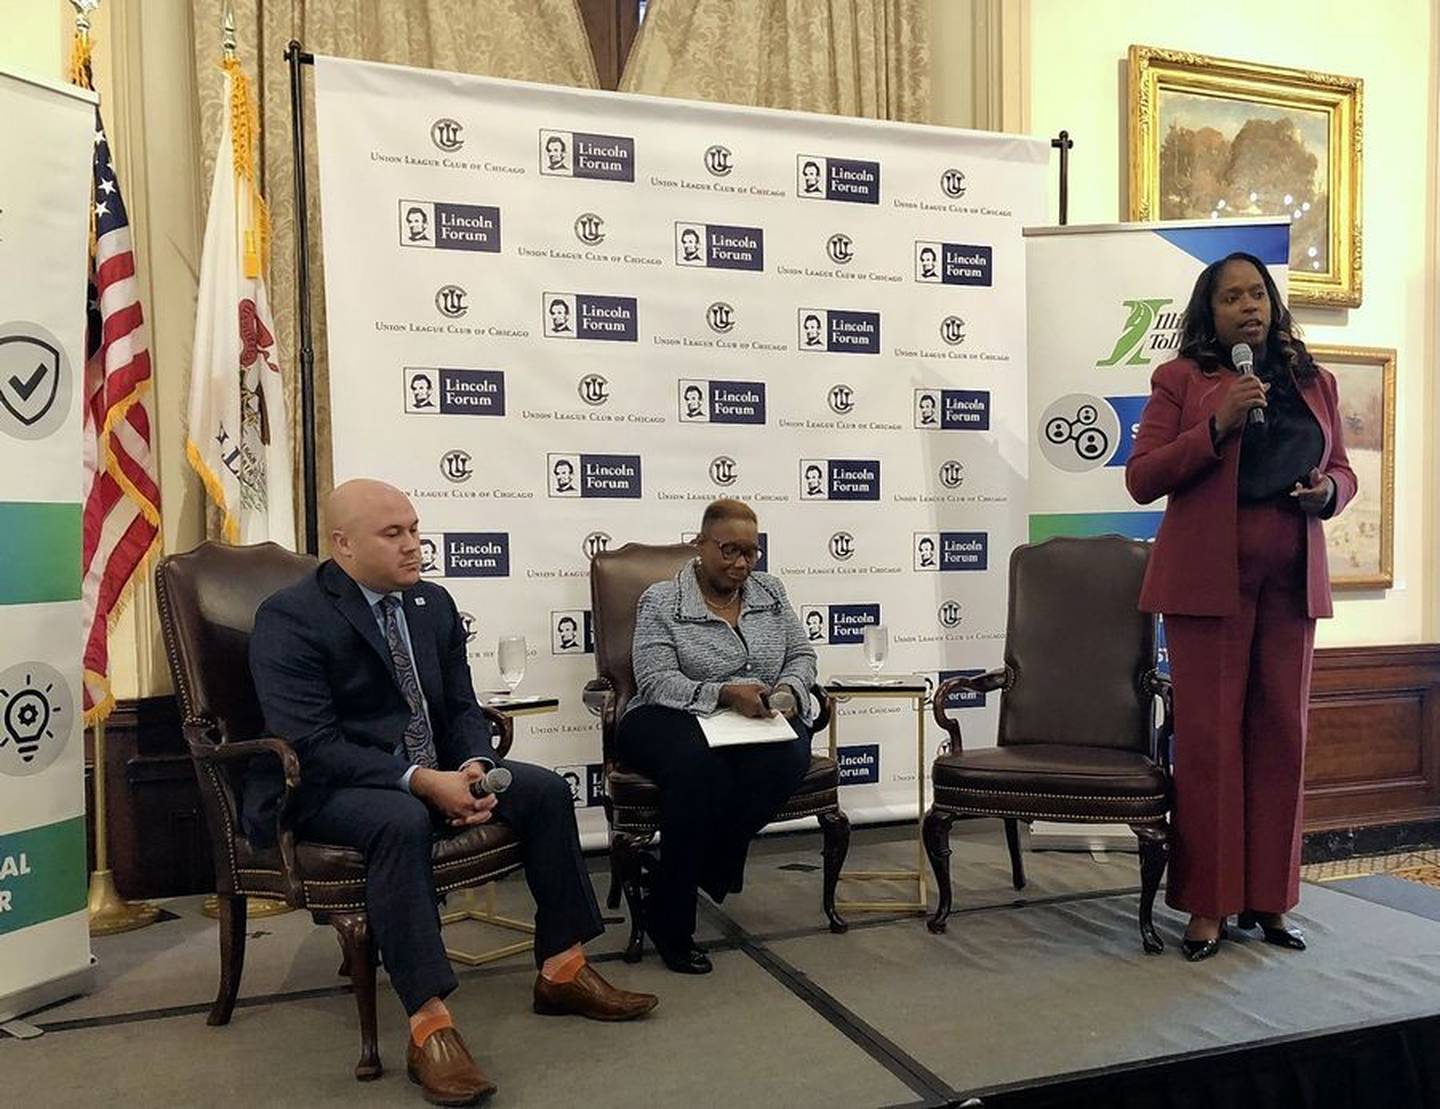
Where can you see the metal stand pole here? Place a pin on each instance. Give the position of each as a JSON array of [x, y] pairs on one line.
[[109, 912], [296, 56], [1063, 143]]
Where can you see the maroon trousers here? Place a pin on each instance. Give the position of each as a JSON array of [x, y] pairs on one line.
[[1242, 688]]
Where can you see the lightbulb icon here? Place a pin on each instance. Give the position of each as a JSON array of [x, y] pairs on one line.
[[35, 717]]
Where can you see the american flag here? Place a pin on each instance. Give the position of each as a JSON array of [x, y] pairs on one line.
[[122, 503]]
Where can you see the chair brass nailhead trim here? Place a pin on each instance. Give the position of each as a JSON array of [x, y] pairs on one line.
[[1049, 814], [1055, 796]]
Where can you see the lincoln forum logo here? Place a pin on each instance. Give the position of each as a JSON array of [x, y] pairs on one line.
[[838, 623], [719, 161], [594, 390], [841, 399], [590, 229], [721, 402], [721, 317], [952, 409], [456, 465], [952, 183], [719, 246], [435, 225], [953, 263], [450, 301], [961, 698], [447, 135], [578, 154], [951, 550], [465, 554], [586, 781], [588, 316], [594, 475], [441, 391], [839, 331], [723, 471], [572, 632], [841, 249], [859, 764], [839, 479], [847, 179]]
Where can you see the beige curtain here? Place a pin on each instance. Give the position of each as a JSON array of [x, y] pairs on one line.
[[527, 40], [845, 57]]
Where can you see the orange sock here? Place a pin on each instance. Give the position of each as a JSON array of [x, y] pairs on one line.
[[428, 1026], [565, 966]]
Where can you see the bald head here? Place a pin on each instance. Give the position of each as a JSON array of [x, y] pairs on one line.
[[374, 534]]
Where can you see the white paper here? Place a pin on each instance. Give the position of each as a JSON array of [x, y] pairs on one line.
[[727, 728]]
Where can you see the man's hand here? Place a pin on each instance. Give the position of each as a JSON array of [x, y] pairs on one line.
[[746, 699], [448, 791], [1314, 496]]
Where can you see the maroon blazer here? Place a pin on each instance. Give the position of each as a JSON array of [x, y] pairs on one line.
[[1194, 566]]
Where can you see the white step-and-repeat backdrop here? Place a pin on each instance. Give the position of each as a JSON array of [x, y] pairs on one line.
[[564, 320]]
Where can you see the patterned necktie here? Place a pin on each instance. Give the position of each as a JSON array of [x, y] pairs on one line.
[[419, 743]]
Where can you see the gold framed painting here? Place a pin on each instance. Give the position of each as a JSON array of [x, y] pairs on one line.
[[1212, 138], [1361, 540]]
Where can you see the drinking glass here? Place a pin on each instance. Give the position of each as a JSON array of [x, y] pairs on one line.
[[511, 658], [877, 646]]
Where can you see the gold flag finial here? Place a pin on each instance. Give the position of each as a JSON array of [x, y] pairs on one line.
[[80, 50], [228, 32]]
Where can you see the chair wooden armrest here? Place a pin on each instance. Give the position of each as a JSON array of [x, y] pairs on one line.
[[506, 727], [1159, 685], [599, 697], [987, 682], [206, 747], [822, 713]]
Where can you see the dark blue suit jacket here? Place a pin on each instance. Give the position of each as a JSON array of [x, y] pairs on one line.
[[326, 684]]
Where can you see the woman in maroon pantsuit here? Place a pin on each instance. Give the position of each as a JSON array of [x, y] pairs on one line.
[[1238, 571]]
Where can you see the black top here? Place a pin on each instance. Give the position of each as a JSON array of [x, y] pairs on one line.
[[1285, 448]]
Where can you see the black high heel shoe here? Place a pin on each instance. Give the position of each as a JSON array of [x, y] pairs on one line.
[[1196, 951], [1291, 938]]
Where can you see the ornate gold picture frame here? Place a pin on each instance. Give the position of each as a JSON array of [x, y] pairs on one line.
[[1361, 540], [1212, 138]]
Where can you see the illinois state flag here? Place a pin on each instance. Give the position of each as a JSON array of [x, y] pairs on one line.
[[238, 439]]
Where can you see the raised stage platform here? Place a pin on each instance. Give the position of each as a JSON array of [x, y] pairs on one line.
[[1036, 999]]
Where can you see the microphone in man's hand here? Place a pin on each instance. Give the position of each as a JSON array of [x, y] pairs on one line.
[[495, 780], [1243, 359]]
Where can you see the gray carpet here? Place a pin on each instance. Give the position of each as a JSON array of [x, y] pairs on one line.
[[1048, 982]]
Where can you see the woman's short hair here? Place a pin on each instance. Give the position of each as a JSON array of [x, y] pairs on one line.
[[726, 508]]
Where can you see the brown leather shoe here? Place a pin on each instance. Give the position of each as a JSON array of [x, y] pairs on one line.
[[444, 1069], [589, 995]]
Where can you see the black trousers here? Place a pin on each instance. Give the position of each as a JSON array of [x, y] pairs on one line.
[[712, 802], [395, 830]]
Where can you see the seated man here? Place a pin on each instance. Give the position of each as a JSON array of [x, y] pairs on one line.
[[362, 667]]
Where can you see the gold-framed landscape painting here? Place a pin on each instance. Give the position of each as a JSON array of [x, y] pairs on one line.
[[1361, 540], [1212, 138]]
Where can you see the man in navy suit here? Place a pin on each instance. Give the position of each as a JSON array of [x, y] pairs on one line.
[[362, 667]]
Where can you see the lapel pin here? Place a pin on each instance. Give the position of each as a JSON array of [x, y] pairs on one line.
[[420, 602]]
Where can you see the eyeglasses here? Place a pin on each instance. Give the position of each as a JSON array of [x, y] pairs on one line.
[[734, 552]]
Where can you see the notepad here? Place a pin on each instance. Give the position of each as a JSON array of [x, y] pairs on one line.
[[727, 728]]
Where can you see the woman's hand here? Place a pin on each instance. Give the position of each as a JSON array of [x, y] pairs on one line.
[[1246, 392], [746, 699], [1314, 496]]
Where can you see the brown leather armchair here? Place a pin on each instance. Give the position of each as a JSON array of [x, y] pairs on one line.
[[1077, 737], [632, 803], [208, 599]]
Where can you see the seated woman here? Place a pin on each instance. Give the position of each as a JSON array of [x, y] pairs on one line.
[[719, 635]]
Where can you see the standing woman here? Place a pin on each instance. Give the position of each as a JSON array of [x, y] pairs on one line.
[[720, 634], [1239, 572]]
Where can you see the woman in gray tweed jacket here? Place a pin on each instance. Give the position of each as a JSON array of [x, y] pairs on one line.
[[719, 635]]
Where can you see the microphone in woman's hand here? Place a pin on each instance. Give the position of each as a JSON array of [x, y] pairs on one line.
[[1243, 359], [496, 780], [781, 700]]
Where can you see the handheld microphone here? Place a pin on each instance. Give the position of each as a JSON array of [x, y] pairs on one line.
[[1243, 359], [781, 700], [496, 780]]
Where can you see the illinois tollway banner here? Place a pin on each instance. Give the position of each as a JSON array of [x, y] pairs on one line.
[[47, 131], [564, 320]]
